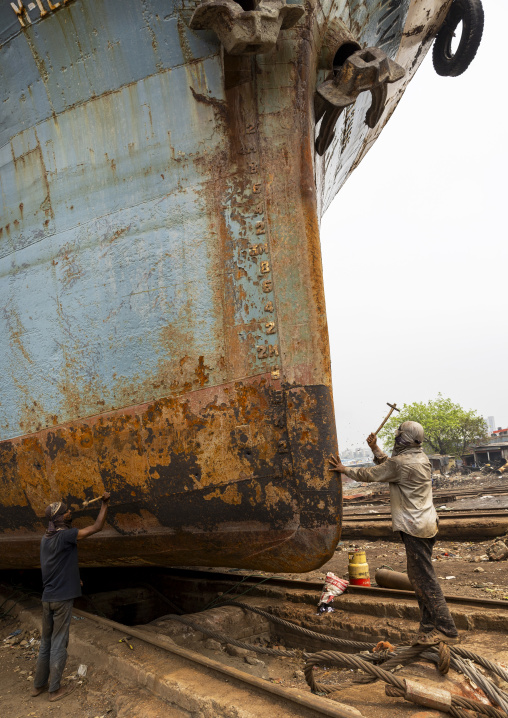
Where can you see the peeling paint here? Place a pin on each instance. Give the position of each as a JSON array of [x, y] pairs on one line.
[[161, 284]]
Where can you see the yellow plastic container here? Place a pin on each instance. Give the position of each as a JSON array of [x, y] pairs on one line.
[[358, 569]]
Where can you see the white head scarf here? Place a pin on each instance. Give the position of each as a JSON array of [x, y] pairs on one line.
[[409, 435]]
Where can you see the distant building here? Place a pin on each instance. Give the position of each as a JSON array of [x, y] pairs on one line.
[[441, 463], [491, 423], [494, 452], [499, 435]]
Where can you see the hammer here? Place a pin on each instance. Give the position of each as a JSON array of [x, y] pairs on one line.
[[392, 407], [98, 498]]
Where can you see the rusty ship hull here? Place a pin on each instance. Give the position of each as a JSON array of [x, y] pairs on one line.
[[163, 318]]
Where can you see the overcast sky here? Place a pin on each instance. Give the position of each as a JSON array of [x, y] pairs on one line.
[[415, 250]]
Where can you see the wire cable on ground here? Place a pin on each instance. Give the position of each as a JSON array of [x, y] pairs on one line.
[[402, 656], [396, 684], [343, 642], [442, 655]]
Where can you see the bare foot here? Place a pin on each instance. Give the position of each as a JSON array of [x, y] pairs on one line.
[[62, 692], [37, 691]]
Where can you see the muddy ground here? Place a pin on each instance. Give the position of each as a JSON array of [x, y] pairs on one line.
[[101, 696], [462, 568], [94, 696], [98, 695]]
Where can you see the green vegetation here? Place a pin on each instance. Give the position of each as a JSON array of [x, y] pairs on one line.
[[449, 428]]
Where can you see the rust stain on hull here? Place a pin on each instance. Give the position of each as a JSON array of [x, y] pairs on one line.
[[220, 476]]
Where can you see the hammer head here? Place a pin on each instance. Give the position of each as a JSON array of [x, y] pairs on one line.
[[393, 406]]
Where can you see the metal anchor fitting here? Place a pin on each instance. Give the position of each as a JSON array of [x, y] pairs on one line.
[[247, 32], [370, 69]]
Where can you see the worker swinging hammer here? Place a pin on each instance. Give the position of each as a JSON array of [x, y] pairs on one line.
[[408, 473]]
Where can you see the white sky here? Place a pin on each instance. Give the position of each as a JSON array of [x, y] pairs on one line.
[[415, 250]]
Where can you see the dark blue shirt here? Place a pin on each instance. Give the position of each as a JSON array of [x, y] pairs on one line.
[[59, 566]]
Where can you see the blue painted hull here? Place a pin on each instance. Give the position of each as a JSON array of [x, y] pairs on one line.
[[163, 323]]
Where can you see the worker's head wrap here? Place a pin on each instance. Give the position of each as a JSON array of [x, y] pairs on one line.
[[55, 515], [409, 435]]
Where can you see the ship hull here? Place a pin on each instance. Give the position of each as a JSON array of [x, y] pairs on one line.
[[162, 285]]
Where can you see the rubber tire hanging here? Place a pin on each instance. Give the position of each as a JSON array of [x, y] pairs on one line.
[[470, 13]]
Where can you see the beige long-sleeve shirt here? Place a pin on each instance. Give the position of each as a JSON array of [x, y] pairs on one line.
[[409, 476]]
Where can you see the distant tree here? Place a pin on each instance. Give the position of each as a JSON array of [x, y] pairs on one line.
[[449, 429]]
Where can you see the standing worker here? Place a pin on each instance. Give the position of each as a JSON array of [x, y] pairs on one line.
[[408, 472], [60, 578]]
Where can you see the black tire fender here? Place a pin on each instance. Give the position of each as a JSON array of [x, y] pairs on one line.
[[470, 13]]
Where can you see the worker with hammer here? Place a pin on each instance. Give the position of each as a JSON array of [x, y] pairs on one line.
[[60, 578], [408, 472]]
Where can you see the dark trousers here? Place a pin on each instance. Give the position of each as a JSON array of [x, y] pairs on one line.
[[434, 612], [56, 620]]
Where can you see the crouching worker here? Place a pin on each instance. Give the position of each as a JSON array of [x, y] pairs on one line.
[[60, 578], [408, 472]]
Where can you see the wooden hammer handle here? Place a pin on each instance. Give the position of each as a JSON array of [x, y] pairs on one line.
[[384, 420], [87, 503]]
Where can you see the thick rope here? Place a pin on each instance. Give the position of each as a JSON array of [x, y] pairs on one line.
[[471, 705], [344, 660], [393, 692], [343, 642], [496, 694], [444, 658], [403, 656]]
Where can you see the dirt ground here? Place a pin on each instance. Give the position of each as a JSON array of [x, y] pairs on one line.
[[458, 566], [98, 695], [463, 568], [92, 697]]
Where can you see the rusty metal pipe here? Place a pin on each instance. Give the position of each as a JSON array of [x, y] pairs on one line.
[[393, 579]]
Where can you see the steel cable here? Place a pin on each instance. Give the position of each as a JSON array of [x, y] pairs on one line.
[[343, 642], [484, 662], [348, 661], [496, 694], [456, 712], [400, 651], [402, 657], [345, 660], [444, 658]]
